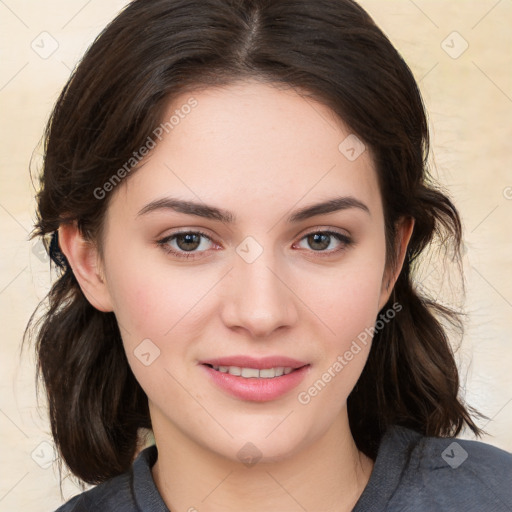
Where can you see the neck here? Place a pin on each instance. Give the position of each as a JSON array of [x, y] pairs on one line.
[[328, 475]]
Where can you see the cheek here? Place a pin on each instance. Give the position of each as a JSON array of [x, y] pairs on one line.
[[138, 305], [149, 297], [348, 302], [350, 312], [349, 309], [158, 309], [151, 309]]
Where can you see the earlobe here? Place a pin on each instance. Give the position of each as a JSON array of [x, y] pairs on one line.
[[82, 255], [404, 233]]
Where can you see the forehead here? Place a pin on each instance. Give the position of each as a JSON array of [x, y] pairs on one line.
[[252, 143]]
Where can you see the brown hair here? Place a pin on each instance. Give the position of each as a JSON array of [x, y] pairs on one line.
[[330, 51]]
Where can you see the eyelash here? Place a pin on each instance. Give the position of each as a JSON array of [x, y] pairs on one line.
[[163, 243]]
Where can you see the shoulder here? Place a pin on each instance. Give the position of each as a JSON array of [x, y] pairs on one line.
[[114, 495], [96, 497], [452, 473], [122, 493]]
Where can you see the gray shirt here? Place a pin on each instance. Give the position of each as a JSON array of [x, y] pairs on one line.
[[411, 473]]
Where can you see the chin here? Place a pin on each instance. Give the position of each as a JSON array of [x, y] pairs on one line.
[[261, 445]]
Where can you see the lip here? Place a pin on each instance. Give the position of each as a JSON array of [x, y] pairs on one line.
[[256, 389]]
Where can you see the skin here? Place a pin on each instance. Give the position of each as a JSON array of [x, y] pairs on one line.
[[261, 153]]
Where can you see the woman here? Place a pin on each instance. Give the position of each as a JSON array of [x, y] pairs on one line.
[[236, 194]]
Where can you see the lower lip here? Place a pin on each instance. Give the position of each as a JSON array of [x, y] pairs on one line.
[[257, 389]]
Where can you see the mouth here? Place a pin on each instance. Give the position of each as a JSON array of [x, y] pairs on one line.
[[256, 380], [254, 373]]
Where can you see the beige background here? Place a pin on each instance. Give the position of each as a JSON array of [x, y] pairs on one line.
[[469, 99]]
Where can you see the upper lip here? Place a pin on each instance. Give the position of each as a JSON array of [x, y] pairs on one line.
[[254, 362]]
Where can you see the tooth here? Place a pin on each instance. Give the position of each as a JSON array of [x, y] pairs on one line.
[[266, 373], [250, 372]]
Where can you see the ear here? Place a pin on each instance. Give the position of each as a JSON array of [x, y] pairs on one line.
[[85, 262], [405, 228]]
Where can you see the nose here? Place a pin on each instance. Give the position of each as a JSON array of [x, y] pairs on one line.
[[257, 297]]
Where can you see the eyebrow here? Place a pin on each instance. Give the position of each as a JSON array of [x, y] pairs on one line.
[[211, 212]]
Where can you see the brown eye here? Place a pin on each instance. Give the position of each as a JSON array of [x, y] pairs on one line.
[[185, 244], [320, 241], [188, 241]]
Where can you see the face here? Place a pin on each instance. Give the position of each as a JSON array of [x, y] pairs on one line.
[[250, 278]]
